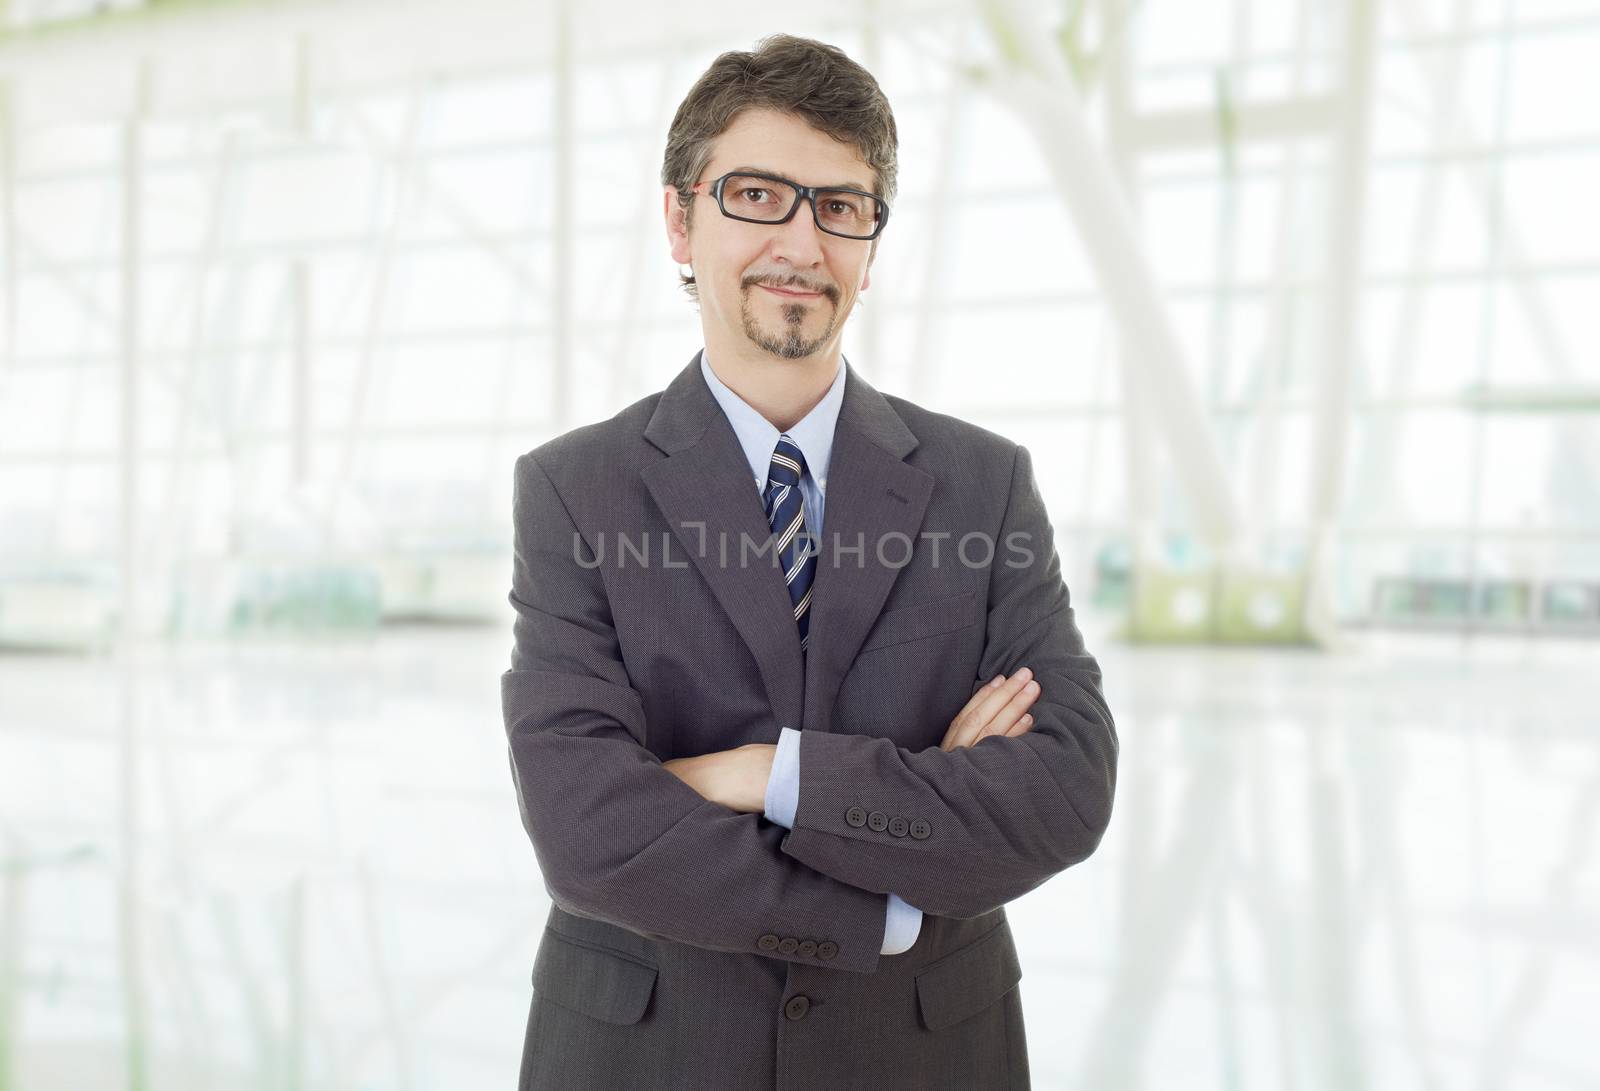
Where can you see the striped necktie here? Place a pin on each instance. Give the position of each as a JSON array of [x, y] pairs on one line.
[[792, 541]]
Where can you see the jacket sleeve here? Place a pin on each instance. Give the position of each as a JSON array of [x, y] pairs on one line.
[[617, 836], [902, 922], [989, 822]]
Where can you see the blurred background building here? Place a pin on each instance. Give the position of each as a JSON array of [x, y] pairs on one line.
[[1294, 304]]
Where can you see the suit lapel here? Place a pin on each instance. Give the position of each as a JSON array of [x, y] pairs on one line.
[[876, 501], [703, 489]]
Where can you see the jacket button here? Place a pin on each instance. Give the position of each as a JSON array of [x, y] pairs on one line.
[[920, 829], [827, 949], [856, 816], [877, 821], [808, 947], [787, 945], [898, 826], [797, 1007], [768, 942]]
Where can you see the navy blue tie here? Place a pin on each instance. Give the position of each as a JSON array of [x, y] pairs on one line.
[[796, 551]]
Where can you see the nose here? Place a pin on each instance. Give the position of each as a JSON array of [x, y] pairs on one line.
[[799, 242]]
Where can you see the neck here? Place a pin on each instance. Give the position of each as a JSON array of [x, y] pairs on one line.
[[782, 391]]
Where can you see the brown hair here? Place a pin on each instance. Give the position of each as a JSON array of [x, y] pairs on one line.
[[810, 80]]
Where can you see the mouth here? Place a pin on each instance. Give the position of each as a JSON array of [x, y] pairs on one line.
[[788, 294]]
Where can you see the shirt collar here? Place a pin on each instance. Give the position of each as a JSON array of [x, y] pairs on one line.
[[757, 435]]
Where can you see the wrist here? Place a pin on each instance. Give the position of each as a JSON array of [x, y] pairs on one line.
[[760, 773]]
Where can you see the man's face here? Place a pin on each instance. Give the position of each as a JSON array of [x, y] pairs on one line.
[[741, 269]]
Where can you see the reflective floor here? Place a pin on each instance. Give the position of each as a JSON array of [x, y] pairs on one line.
[[1366, 870]]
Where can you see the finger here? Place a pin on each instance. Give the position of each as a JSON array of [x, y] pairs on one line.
[[1010, 715], [981, 694], [993, 699], [1015, 715], [963, 719], [1021, 727]]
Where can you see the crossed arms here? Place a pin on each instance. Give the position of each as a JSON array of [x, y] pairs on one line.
[[620, 837]]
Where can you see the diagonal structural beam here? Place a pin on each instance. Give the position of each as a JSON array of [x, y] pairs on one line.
[[1038, 85]]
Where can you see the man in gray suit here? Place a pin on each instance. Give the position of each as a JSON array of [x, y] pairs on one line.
[[781, 782]]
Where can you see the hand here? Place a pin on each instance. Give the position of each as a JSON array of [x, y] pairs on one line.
[[735, 778], [999, 708]]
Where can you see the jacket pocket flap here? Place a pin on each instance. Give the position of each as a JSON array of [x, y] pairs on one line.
[[607, 985], [905, 623], [966, 981]]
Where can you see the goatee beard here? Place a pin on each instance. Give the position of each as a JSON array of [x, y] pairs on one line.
[[791, 344]]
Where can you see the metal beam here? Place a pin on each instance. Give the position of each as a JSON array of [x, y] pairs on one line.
[[1037, 84], [1341, 310]]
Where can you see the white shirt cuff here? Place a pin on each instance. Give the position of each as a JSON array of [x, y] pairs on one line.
[[783, 784], [901, 925]]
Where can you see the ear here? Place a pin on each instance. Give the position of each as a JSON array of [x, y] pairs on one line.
[[677, 231]]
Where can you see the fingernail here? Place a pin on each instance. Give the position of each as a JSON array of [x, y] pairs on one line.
[[1027, 719], [1031, 686], [998, 679], [1024, 673]]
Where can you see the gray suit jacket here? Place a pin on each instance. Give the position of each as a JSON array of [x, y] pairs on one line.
[[689, 945]]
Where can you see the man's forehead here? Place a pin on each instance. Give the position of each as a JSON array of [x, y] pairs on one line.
[[767, 142], [845, 182]]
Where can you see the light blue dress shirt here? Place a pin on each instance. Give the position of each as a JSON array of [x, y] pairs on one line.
[[814, 436]]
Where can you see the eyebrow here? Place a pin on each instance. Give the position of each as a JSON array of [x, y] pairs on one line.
[[780, 174]]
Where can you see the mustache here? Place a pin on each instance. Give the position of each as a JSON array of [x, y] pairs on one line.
[[794, 285]]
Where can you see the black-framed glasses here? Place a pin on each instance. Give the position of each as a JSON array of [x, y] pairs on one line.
[[769, 199]]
